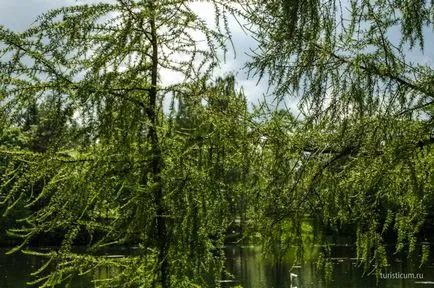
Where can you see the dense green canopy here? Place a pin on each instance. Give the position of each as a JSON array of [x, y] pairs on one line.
[[367, 113], [90, 155]]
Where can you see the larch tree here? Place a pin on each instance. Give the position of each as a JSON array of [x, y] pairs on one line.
[[365, 141], [126, 176]]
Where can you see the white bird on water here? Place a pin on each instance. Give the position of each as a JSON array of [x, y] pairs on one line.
[[294, 280]]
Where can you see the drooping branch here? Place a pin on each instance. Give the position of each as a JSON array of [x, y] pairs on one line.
[[371, 68]]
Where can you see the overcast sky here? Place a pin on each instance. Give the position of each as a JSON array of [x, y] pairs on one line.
[[19, 14]]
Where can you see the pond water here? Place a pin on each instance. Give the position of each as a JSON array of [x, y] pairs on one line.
[[251, 270]]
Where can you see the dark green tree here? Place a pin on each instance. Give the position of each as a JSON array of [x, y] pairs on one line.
[[216, 125]]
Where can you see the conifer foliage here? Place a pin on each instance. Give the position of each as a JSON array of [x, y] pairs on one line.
[[100, 163], [366, 129]]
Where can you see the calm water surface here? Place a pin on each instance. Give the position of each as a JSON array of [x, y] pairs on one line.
[[251, 270]]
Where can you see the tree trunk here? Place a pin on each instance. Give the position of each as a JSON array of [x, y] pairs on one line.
[[157, 162]]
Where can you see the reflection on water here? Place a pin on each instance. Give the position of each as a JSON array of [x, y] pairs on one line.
[[251, 270]]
